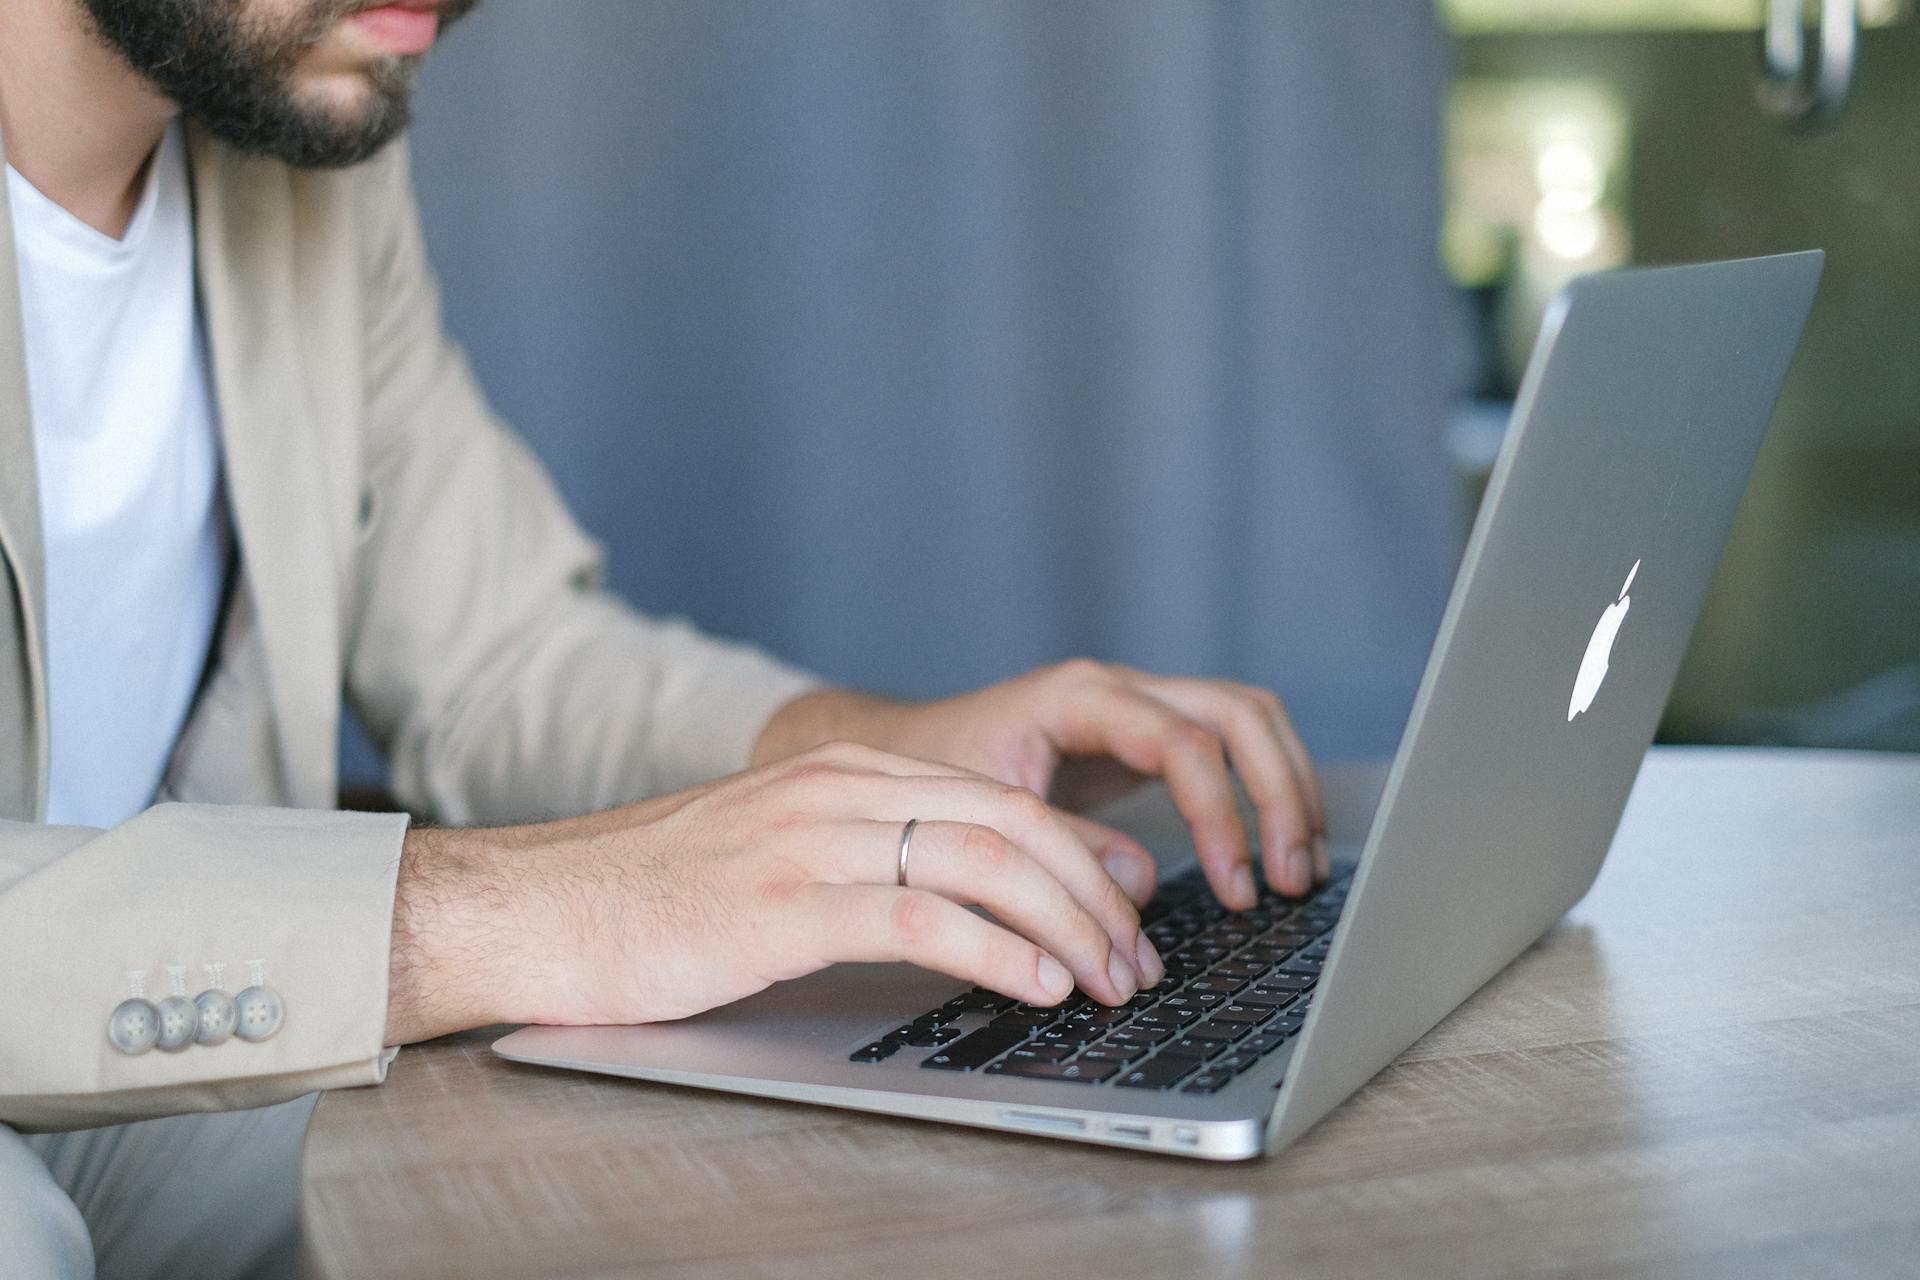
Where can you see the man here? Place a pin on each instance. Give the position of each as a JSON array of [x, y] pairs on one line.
[[243, 469]]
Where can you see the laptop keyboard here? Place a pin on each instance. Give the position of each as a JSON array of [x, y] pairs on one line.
[[1238, 986]]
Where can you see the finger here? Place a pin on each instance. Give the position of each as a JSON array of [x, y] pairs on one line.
[[1023, 817], [1115, 718], [1259, 754], [1132, 867], [1304, 770], [878, 923], [978, 865]]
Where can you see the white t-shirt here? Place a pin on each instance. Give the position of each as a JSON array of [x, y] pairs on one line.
[[129, 472]]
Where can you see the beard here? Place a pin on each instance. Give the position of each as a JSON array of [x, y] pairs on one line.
[[235, 75]]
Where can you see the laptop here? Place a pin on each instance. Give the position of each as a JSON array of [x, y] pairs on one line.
[[1628, 451]]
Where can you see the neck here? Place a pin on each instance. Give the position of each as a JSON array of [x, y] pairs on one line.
[[78, 123]]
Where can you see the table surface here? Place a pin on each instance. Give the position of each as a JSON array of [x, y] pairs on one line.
[[1710, 1067]]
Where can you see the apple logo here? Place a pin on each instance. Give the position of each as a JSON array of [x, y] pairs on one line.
[[1593, 667]]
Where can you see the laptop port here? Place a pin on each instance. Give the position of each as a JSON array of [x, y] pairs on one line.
[[1042, 1120]]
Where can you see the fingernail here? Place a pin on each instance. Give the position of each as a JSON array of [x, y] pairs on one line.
[[1151, 968], [1300, 868], [1242, 886], [1133, 879], [1055, 981], [1122, 974]]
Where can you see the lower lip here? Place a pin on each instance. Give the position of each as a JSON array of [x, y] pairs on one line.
[[404, 31]]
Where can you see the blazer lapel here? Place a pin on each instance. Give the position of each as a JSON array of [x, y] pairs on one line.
[[245, 246], [23, 687]]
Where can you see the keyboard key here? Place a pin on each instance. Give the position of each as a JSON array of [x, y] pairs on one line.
[[1078, 1037], [1147, 1037], [1215, 1029], [1105, 1052], [1286, 1025], [1287, 938], [875, 1052], [1214, 984], [1304, 964], [1077, 1072], [1208, 1081], [1251, 1014], [1042, 1053], [1197, 1049], [1237, 971], [990, 999], [927, 1037], [1233, 1063], [1101, 1017], [1160, 1072], [969, 1053], [1269, 1001], [1284, 984], [1015, 1021], [1265, 1042], [1164, 1018]]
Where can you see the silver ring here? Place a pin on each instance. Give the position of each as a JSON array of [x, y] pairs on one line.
[[906, 841]]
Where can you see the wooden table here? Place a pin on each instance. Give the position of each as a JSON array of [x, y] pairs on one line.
[[1712, 1067]]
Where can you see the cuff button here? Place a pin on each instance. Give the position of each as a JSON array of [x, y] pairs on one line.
[[258, 1013], [216, 1017], [179, 1018], [134, 1027]]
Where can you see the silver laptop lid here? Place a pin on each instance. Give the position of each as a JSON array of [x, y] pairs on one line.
[[1636, 426]]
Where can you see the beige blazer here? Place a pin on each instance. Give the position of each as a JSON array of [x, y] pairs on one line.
[[395, 542]]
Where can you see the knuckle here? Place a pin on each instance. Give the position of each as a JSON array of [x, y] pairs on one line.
[[782, 880], [1027, 806], [1081, 671], [1193, 737], [1249, 717], [807, 772], [913, 917], [839, 752], [1114, 902], [1002, 954], [986, 849], [1089, 936]]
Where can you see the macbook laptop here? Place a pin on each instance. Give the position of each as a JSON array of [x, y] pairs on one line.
[[1629, 448]]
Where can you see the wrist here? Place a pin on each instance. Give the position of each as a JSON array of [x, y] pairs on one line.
[[460, 947]]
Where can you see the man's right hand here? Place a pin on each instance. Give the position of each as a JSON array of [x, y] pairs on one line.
[[696, 899]]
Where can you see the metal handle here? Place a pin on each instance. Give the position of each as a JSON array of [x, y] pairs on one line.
[[1808, 89]]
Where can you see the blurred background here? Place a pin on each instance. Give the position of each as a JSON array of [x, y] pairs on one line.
[[926, 342]]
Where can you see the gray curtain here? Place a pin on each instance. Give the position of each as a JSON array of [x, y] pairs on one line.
[[926, 342]]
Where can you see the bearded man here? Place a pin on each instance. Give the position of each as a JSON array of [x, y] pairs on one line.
[[242, 470]]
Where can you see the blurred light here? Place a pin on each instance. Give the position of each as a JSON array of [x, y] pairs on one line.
[[1569, 176], [1572, 234]]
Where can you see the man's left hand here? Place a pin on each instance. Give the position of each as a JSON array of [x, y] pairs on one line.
[[1082, 732]]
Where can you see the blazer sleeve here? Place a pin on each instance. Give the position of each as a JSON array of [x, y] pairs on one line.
[[503, 682], [181, 887]]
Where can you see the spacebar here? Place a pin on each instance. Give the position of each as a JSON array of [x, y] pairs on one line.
[[974, 1051]]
